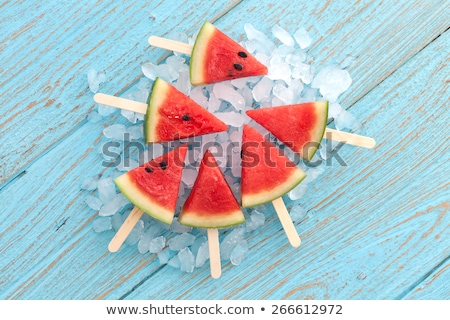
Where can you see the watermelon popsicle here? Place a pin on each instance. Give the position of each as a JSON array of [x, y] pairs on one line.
[[211, 205], [267, 174], [215, 57], [152, 188], [303, 126]]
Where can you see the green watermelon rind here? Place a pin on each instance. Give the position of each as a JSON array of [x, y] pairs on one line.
[[229, 219], [198, 55], [140, 200], [317, 136], [266, 196], [151, 116]]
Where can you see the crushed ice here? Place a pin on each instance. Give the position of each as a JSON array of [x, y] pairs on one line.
[[291, 79]]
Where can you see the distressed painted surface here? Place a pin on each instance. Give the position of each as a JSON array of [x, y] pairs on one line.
[[379, 227]]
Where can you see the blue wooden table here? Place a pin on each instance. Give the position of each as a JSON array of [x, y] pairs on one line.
[[378, 228]]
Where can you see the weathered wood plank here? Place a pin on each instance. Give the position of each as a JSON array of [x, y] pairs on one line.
[[351, 235], [435, 287], [47, 52]]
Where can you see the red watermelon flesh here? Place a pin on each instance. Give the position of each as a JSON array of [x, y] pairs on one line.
[[216, 57], [267, 174], [153, 187], [172, 115], [211, 203], [301, 126]]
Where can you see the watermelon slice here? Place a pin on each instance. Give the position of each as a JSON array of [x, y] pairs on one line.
[[301, 126], [153, 187], [216, 57], [172, 115], [267, 174], [211, 203]]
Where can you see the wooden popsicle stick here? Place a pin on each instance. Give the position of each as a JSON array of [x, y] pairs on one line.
[[171, 45], [214, 253], [125, 229], [350, 138], [286, 222]]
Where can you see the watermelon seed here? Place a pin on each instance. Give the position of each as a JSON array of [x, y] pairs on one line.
[[238, 66], [148, 169], [163, 165], [242, 54], [185, 117]]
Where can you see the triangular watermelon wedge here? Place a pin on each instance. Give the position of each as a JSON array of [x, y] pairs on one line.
[[301, 126], [216, 57], [211, 203], [267, 174], [172, 115], [153, 187]]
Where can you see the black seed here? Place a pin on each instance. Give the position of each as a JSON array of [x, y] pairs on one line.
[[242, 54], [185, 117], [242, 153], [237, 66], [148, 169], [163, 165]]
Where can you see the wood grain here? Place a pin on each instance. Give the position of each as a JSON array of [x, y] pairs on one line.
[[377, 228]]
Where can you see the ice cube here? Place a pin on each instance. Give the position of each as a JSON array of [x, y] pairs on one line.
[[181, 241], [179, 228], [117, 221], [197, 243], [283, 35], [280, 71], [183, 83], [202, 254], [298, 213], [115, 131], [239, 83], [332, 81], [189, 176], [157, 244], [346, 120], [150, 70], [94, 117], [283, 93], [238, 253], [114, 205], [163, 257], [129, 115], [298, 191], [174, 262], [106, 189], [93, 202], [135, 233], [102, 224], [225, 92], [260, 41], [104, 110], [177, 63], [255, 221], [135, 132], [284, 50], [230, 241], [94, 79], [89, 183], [144, 242], [167, 73], [187, 260], [197, 95], [261, 91], [231, 118], [302, 37]]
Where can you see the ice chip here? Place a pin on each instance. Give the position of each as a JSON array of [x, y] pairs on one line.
[[150, 70], [94, 116], [346, 120], [187, 260], [93, 202], [261, 91], [115, 131], [174, 262], [331, 81], [117, 221], [283, 93], [129, 115], [233, 119], [94, 79], [298, 213], [163, 257], [89, 183], [298, 191], [106, 189], [135, 132], [230, 241], [157, 244], [334, 110], [260, 42], [238, 253], [227, 93], [255, 221], [178, 227], [114, 205], [189, 176], [181, 241], [283, 35], [183, 83], [280, 71], [135, 233], [302, 37], [144, 242], [202, 254], [105, 110], [102, 224]]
